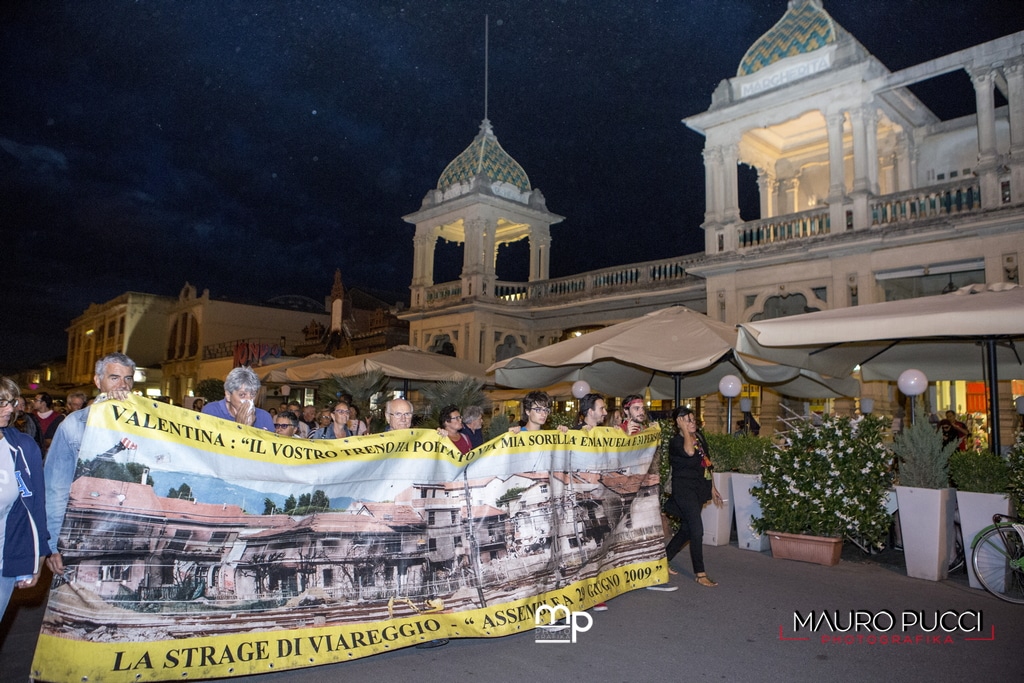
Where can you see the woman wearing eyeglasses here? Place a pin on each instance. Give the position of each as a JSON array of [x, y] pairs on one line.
[[337, 428], [22, 505], [451, 426]]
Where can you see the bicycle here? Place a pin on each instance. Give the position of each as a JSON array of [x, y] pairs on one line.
[[998, 558]]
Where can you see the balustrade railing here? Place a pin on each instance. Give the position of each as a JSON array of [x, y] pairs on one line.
[[444, 292], [928, 202], [632, 277], [782, 228]]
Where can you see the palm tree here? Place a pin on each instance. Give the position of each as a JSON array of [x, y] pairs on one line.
[[362, 388], [464, 393]]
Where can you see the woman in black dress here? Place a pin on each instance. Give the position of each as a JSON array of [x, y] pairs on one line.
[[692, 487]]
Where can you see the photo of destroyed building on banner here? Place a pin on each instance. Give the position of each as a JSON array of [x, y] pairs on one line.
[[143, 565]]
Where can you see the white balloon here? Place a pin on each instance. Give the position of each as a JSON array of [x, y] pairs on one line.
[[580, 388], [912, 382], [730, 386]]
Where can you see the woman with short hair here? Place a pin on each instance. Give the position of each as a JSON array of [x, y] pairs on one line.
[[22, 500], [451, 426]]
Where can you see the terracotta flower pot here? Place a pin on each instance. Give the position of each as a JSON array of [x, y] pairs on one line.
[[817, 549]]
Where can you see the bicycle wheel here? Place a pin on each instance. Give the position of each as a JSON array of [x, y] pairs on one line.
[[998, 560]]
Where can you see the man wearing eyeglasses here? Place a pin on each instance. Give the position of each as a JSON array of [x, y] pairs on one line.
[[115, 377], [286, 424], [398, 413], [338, 427], [536, 409]]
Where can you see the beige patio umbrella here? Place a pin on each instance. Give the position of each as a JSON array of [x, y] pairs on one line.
[[276, 373], [675, 351], [405, 363], [970, 334]]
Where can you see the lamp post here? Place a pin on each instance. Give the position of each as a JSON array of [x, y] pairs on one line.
[[730, 387], [912, 383], [867, 406]]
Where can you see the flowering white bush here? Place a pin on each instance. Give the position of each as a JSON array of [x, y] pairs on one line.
[[828, 480], [1015, 463]]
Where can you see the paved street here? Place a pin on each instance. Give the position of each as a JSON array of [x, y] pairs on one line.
[[727, 633]]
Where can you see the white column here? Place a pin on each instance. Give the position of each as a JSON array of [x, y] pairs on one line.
[[489, 246], [423, 256], [473, 256], [789, 188], [987, 168], [983, 80], [871, 155], [731, 201], [836, 180], [766, 190], [474, 259], [1013, 70], [903, 176], [540, 252], [861, 183], [858, 123], [422, 264], [712, 184]]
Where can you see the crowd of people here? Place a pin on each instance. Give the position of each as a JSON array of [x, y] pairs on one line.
[[43, 446]]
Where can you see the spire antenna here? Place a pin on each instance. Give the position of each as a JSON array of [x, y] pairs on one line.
[[487, 55]]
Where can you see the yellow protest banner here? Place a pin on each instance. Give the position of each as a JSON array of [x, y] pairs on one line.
[[199, 548]]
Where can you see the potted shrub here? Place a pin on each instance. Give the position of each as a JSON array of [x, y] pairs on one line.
[[748, 454], [981, 479], [718, 520], [926, 503], [826, 482]]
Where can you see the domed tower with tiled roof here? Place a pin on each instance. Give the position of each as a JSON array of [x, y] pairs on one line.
[[805, 27], [483, 200], [484, 156]]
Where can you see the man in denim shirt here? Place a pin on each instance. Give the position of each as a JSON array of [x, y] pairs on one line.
[[115, 376]]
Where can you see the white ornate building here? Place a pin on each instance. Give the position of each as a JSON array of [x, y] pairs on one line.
[[865, 195]]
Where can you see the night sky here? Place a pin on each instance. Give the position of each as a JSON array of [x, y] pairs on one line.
[[254, 147]]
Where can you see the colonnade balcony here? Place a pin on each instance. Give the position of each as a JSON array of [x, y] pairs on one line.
[[955, 197], [594, 284]]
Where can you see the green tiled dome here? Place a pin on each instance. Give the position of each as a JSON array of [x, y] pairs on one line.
[[803, 28], [484, 155]]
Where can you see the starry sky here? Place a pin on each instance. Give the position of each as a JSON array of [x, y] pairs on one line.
[[252, 147]]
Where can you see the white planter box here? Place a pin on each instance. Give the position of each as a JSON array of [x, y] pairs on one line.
[[747, 510], [926, 519], [976, 510], [718, 520]]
